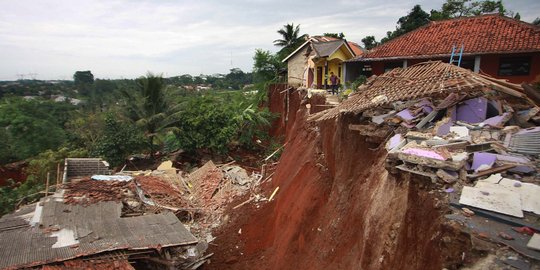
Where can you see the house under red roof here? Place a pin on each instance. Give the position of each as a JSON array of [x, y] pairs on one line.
[[497, 45]]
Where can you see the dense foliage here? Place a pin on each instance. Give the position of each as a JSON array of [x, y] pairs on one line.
[[29, 127], [44, 122], [219, 121]]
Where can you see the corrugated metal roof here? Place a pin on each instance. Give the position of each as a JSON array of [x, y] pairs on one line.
[[325, 49], [97, 227]]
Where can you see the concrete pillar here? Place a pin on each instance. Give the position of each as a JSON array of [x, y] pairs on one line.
[[343, 73], [477, 64], [404, 63]]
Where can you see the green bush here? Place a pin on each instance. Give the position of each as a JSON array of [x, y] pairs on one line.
[[12, 194], [357, 82], [118, 141], [218, 121]]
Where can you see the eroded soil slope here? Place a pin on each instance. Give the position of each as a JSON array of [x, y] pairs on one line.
[[338, 208]]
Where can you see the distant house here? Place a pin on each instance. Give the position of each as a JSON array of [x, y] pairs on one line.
[[499, 46], [311, 64], [73, 101]]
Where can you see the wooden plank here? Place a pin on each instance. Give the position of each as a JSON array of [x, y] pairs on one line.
[[492, 171]]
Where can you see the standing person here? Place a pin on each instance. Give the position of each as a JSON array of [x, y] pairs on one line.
[[335, 82]]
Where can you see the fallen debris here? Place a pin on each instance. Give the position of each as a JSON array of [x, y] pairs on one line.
[[465, 132], [534, 243], [273, 194]]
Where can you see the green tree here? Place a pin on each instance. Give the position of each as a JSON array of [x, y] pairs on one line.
[[185, 79], [149, 108], [459, 8], [218, 121], [83, 77], [414, 19], [198, 80], [118, 140], [206, 124], [33, 126], [536, 21], [290, 39], [265, 66], [370, 42]]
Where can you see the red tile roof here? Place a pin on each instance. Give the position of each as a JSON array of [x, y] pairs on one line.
[[355, 48], [491, 33]]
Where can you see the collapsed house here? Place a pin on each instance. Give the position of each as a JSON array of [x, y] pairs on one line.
[[91, 221], [150, 219], [476, 137]]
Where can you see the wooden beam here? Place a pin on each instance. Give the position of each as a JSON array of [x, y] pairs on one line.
[[492, 171]]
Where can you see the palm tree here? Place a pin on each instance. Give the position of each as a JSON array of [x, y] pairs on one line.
[[149, 109], [290, 39]]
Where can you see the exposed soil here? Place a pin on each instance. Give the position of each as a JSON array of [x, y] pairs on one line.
[[13, 171], [338, 208]]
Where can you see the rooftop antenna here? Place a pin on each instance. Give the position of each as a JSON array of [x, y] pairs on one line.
[[20, 76]]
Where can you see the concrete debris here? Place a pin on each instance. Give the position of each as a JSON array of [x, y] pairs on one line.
[[237, 175], [475, 138], [534, 243], [494, 199]]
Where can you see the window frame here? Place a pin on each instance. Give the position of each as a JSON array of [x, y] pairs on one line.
[[513, 65]]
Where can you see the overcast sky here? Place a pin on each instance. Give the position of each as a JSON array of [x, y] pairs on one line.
[[127, 38]]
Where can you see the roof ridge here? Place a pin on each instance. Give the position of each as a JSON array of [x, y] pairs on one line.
[[494, 15], [472, 22]]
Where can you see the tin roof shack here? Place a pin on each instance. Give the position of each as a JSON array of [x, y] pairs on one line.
[[474, 137], [64, 227]]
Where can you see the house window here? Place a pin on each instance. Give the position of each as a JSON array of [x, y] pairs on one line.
[[391, 65], [366, 70], [514, 66]]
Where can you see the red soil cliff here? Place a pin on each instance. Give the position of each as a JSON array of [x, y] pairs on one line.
[[338, 208]]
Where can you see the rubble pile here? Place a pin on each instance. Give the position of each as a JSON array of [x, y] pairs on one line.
[[161, 192], [87, 191], [204, 183], [475, 137]]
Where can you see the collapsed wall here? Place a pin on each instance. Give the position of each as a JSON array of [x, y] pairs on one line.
[[338, 208]]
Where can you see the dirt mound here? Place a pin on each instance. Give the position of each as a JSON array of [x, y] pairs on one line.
[[338, 208]]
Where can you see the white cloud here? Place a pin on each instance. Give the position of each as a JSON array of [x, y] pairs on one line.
[[126, 38]]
